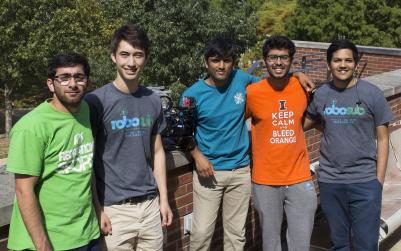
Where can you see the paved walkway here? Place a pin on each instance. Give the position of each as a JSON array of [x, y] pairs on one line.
[[6, 194]]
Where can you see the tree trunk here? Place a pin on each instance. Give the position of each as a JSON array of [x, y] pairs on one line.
[[8, 108]]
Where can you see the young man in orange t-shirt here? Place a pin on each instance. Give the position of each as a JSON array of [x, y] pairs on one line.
[[281, 176]]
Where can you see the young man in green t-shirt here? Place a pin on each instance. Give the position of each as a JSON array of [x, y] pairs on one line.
[[51, 152]]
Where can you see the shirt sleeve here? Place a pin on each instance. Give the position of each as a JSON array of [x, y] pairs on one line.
[[311, 110], [160, 123], [95, 118], [381, 110], [25, 155], [252, 79]]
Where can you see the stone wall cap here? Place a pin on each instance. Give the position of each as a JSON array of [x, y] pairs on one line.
[[388, 82], [361, 48]]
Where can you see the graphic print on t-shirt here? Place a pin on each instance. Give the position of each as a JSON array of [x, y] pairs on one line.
[[343, 115], [239, 98], [281, 120], [78, 159], [133, 126]]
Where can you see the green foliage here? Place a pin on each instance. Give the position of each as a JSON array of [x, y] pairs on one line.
[[366, 22], [252, 54], [272, 15], [34, 31], [179, 31], [176, 89]]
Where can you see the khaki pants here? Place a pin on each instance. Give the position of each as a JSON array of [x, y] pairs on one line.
[[234, 188], [135, 226]]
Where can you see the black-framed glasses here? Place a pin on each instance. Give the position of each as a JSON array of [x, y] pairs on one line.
[[274, 58], [65, 79]]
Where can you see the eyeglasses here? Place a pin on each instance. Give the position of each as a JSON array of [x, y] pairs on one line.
[[274, 58], [65, 79]]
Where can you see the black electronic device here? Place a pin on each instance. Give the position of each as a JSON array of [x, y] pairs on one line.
[[180, 123]]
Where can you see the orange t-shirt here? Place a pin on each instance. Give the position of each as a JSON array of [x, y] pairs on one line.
[[279, 151]]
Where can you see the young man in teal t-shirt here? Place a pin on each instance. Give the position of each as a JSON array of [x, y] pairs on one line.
[[51, 152]]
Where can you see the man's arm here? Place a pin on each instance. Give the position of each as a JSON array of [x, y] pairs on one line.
[[382, 151], [308, 123], [104, 221], [30, 211], [202, 164], [159, 171], [305, 81]]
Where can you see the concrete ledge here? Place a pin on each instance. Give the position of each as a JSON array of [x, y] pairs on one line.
[[361, 48], [6, 194], [388, 82], [177, 159]]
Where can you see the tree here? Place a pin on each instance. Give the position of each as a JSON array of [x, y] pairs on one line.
[[34, 31], [366, 22], [272, 15], [179, 30]]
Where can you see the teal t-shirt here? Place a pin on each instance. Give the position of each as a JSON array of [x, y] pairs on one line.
[[58, 148], [221, 134]]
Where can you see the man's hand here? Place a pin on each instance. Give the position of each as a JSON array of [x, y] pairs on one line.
[[105, 224], [305, 81], [166, 213], [202, 164]]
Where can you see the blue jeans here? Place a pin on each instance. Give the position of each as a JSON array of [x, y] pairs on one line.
[[94, 245], [353, 213]]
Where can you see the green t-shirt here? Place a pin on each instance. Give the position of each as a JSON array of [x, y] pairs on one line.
[[58, 148]]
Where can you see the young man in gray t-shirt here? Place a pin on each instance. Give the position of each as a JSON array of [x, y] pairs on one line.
[[129, 164], [353, 114]]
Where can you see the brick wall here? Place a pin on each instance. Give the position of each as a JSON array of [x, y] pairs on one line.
[[373, 60]]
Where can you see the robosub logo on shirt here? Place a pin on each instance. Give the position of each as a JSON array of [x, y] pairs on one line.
[[133, 126], [78, 159], [343, 115]]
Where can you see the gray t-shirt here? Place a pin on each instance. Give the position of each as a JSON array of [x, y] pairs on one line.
[[123, 125], [349, 118]]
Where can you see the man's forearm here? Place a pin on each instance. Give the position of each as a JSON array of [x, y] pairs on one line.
[[195, 152], [305, 81], [382, 152], [95, 198], [32, 218], [159, 171]]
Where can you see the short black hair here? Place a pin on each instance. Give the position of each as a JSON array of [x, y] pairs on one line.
[[67, 59], [221, 47], [278, 42], [132, 34], [339, 44]]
